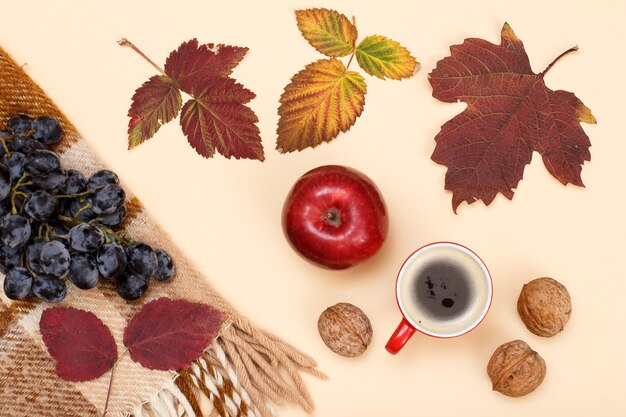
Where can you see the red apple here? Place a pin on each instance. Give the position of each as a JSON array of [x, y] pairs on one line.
[[335, 217]]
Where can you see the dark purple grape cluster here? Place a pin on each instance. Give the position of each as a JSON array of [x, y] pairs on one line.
[[56, 225]]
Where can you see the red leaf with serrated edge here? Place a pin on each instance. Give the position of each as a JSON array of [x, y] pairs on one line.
[[209, 121], [155, 103], [216, 118], [80, 343], [191, 62], [169, 334], [510, 113]]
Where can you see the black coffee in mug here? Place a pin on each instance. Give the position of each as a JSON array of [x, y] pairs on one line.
[[444, 289]]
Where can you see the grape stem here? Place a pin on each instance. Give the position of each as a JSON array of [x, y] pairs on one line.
[[122, 239], [14, 191], [106, 403], [83, 194], [6, 149]]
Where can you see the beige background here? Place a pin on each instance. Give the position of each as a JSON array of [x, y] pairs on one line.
[[225, 214]]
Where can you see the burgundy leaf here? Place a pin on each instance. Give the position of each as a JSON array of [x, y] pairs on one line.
[[218, 119], [155, 103], [191, 62], [510, 113], [169, 334], [79, 341]]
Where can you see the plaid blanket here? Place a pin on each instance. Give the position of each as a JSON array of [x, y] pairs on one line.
[[245, 371]]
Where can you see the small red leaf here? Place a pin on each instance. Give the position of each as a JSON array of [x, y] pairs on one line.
[[155, 103], [191, 63], [79, 341], [169, 334], [218, 119]]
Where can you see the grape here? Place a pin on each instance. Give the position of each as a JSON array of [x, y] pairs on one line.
[[42, 206], [55, 258], [85, 215], [49, 289], [20, 124], [86, 238], [131, 286], [5, 182], [15, 162], [5, 207], [51, 182], [83, 271], [47, 130], [115, 218], [107, 199], [111, 260], [33, 252], [75, 183], [101, 178], [71, 215], [9, 258], [42, 162], [141, 259], [15, 230], [26, 145], [165, 266], [17, 283]]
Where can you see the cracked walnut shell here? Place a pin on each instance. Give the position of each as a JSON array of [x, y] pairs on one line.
[[545, 306], [345, 329], [515, 369]]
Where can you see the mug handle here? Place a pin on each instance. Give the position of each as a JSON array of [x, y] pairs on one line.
[[398, 339]]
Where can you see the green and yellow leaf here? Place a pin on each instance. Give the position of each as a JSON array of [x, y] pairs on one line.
[[322, 100], [155, 103], [328, 31], [383, 57]]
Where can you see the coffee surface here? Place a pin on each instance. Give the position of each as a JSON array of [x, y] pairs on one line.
[[443, 289]]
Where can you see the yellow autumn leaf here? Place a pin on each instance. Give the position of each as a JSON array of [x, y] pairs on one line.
[[383, 57], [328, 31], [322, 100]]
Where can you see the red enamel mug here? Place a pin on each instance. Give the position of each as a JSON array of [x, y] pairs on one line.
[[443, 290]]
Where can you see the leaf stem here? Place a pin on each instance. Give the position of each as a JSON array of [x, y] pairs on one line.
[[572, 49], [106, 403], [350, 60], [126, 42]]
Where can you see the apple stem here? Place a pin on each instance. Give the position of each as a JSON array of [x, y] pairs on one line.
[[126, 42], [333, 217]]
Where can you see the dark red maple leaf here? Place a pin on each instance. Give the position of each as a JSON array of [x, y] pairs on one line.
[[210, 122], [80, 343], [218, 119], [169, 334], [510, 113]]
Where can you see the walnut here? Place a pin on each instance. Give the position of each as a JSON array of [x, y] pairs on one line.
[[544, 306], [345, 329], [515, 369]]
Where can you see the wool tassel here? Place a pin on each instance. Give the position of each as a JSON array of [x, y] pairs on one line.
[[170, 401], [186, 387]]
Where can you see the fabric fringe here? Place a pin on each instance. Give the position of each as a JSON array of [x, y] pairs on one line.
[[246, 371], [170, 401]]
